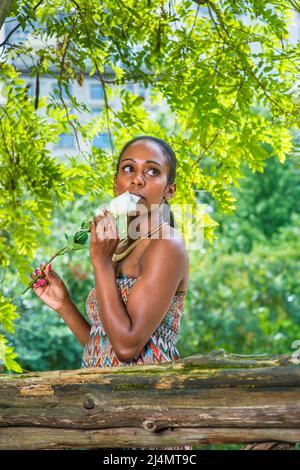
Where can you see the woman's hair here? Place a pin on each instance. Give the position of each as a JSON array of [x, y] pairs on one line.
[[171, 158]]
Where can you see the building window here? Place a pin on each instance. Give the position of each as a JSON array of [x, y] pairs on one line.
[[96, 92], [97, 110], [66, 141], [101, 141], [141, 91]]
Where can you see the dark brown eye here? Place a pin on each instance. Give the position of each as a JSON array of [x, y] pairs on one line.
[[157, 171], [126, 167], [151, 169]]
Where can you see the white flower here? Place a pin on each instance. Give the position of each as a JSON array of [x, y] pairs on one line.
[[123, 204], [120, 205]]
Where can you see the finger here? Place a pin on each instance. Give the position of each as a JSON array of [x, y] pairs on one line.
[[112, 219], [110, 232], [42, 267], [106, 233], [100, 228], [100, 234], [98, 220], [102, 212], [35, 274], [114, 233], [48, 270], [37, 284]]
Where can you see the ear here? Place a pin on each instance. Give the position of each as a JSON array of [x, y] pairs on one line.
[[170, 192]]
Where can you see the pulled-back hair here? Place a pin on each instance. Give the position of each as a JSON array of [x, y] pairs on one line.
[[172, 161]]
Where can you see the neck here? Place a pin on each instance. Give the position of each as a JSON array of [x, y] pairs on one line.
[[146, 223]]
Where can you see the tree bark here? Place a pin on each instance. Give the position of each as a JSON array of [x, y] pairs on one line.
[[4, 10], [269, 446], [202, 399]]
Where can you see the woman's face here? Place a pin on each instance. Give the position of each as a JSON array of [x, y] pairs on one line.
[[143, 170]]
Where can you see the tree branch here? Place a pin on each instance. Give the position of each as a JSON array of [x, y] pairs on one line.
[[296, 5], [4, 10], [19, 24]]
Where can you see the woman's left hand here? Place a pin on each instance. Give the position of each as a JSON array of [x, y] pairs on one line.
[[104, 238]]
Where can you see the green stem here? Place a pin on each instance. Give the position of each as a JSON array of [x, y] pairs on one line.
[[59, 253]]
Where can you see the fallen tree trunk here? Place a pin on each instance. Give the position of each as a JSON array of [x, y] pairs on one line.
[[214, 399]]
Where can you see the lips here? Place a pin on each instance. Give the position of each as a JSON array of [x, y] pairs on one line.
[[137, 194]]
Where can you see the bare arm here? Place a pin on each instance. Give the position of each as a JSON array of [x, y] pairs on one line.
[[129, 327], [76, 322], [150, 297], [54, 293], [112, 311]]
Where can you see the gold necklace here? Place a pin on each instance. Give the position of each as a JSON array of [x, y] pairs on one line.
[[119, 256]]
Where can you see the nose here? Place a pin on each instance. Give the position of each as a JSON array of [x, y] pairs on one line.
[[137, 181]]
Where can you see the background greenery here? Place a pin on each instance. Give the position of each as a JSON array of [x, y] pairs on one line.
[[243, 293]]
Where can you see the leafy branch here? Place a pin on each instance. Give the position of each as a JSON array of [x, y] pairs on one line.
[[74, 242], [19, 24]]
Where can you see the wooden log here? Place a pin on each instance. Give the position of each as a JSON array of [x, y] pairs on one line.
[[202, 399], [33, 438], [270, 446]]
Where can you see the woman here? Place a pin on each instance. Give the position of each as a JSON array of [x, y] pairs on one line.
[[140, 284]]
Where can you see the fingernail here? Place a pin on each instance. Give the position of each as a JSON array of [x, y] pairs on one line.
[[49, 267], [36, 284], [42, 281]]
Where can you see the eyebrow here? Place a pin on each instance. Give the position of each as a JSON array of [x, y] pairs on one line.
[[147, 161]]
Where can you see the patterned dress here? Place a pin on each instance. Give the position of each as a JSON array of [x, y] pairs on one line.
[[160, 347]]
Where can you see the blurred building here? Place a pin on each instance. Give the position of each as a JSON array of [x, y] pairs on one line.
[[90, 92]]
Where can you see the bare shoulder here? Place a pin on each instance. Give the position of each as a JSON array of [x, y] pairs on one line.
[[168, 244], [179, 245], [175, 236]]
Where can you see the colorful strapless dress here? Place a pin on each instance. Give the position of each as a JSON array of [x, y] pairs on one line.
[[161, 347]]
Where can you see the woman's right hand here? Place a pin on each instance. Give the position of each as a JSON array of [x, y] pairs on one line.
[[50, 288]]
